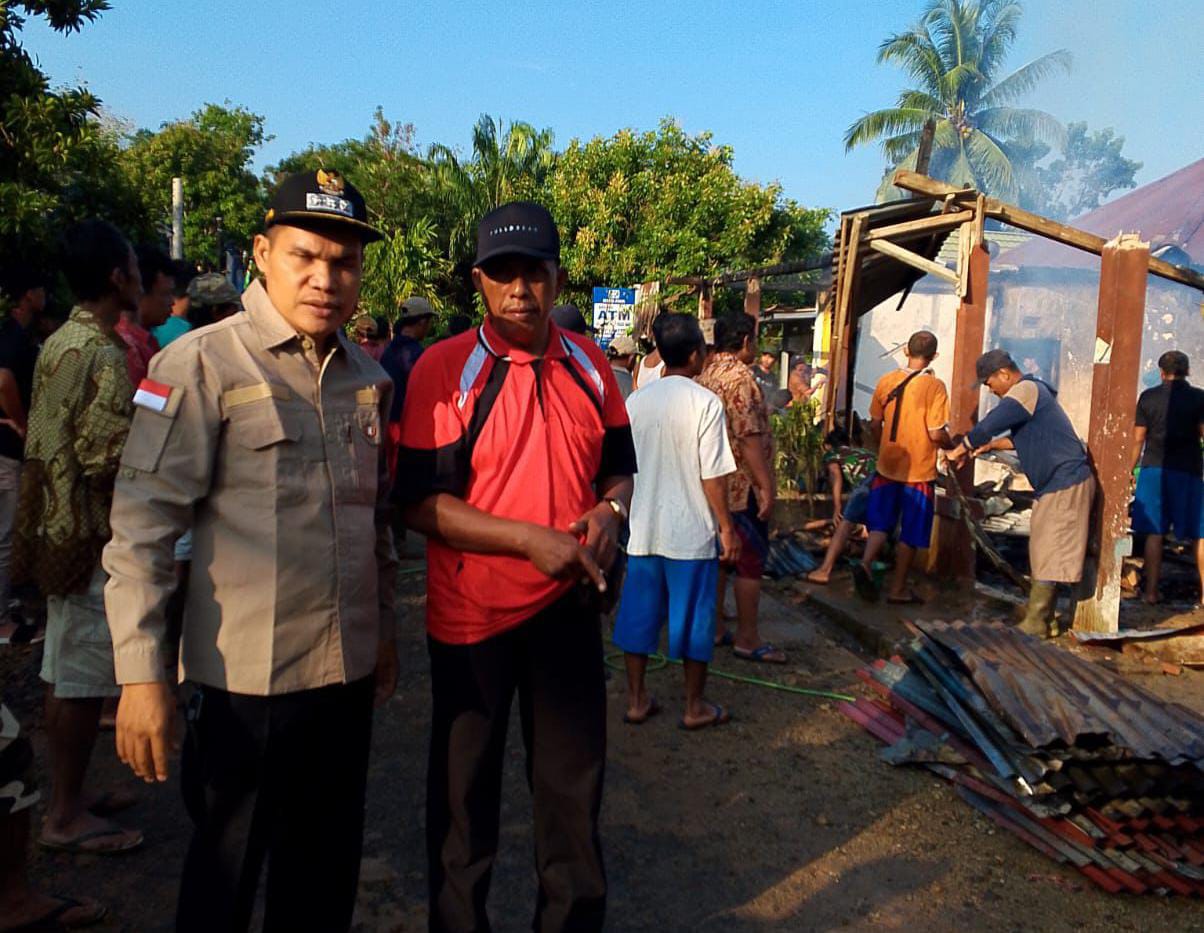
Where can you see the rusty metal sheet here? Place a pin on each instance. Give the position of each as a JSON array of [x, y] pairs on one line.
[[1055, 700]]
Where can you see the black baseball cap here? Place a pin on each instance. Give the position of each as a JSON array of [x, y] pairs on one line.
[[321, 197], [990, 363], [568, 317], [521, 228]]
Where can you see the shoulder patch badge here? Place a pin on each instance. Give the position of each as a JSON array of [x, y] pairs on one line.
[[159, 398]]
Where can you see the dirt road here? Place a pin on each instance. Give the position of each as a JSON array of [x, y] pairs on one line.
[[784, 819]]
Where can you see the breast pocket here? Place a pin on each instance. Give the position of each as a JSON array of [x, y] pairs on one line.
[[365, 452], [264, 453]]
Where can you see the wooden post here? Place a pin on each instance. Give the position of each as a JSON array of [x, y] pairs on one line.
[[954, 558], [752, 299], [842, 323], [1117, 360], [706, 303]]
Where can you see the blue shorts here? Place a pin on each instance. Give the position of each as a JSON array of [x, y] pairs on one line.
[[858, 502], [913, 505], [1169, 499], [684, 591]]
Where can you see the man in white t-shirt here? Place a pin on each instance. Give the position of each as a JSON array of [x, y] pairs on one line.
[[678, 510]]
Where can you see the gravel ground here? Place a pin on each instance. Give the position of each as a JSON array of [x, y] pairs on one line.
[[784, 819]]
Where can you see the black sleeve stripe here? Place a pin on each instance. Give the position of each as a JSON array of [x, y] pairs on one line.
[[422, 473], [618, 453]]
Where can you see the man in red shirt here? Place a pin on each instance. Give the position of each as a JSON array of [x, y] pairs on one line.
[[516, 461]]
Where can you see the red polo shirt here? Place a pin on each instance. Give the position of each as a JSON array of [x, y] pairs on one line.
[[519, 437]]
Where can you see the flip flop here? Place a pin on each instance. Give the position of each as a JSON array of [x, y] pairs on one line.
[[720, 717], [726, 640], [863, 583], [654, 707], [911, 599], [810, 578], [760, 654], [78, 845], [24, 633], [53, 921]]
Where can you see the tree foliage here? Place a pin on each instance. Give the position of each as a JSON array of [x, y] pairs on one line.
[[956, 54], [640, 206], [1089, 168], [212, 152], [58, 159]]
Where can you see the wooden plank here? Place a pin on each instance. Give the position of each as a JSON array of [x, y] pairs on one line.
[[838, 378], [955, 551], [924, 225], [1035, 223], [915, 260], [752, 299], [1119, 329]]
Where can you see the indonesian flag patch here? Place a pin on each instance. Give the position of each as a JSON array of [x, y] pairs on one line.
[[159, 398]]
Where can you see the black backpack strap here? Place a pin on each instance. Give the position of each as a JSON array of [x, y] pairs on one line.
[[896, 396]]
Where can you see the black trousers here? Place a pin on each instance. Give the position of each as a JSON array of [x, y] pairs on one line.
[[279, 778], [554, 662]]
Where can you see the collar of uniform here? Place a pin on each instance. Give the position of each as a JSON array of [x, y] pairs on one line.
[[496, 344], [274, 331]]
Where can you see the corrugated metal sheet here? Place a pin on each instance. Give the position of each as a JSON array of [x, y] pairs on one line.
[[1055, 699], [1078, 762]]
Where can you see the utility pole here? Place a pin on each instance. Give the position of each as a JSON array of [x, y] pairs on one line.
[[177, 218]]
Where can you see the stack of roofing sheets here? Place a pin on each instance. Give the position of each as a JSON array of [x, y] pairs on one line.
[[1080, 763]]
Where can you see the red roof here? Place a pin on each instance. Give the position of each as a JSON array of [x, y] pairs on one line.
[[1167, 211]]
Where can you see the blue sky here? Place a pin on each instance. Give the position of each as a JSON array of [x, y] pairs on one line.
[[779, 82]]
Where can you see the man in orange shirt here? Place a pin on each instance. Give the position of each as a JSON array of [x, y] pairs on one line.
[[909, 415]]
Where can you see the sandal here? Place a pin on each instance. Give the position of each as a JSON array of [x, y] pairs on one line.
[[654, 707], [810, 578], [863, 583], [56, 919], [79, 844], [761, 654], [911, 599], [719, 717], [726, 640]]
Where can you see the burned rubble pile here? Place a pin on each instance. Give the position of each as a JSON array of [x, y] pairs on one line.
[[1081, 764]]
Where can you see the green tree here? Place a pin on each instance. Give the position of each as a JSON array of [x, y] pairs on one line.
[[212, 152], [1089, 168], [955, 54], [57, 156], [640, 206]]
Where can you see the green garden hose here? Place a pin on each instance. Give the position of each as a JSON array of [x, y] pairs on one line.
[[658, 662]]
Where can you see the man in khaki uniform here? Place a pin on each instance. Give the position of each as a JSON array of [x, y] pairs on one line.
[[262, 434]]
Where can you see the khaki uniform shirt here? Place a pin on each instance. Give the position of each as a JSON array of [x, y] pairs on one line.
[[272, 456]]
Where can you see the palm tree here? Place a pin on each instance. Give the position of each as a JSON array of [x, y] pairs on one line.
[[508, 163], [954, 53]]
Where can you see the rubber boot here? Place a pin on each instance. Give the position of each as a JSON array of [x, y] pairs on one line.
[[1039, 617]]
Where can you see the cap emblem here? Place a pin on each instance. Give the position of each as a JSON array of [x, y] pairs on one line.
[[328, 203], [330, 182]]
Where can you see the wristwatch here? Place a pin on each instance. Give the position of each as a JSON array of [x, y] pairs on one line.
[[618, 508]]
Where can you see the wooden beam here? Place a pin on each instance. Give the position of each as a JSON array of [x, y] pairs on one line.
[[915, 260], [706, 303], [923, 225], [752, 299], [850, 235], [954, 558], [1043, 226], [1117, 362]]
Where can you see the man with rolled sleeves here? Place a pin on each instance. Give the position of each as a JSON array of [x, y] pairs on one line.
[[1054, 459], [262, 434]]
